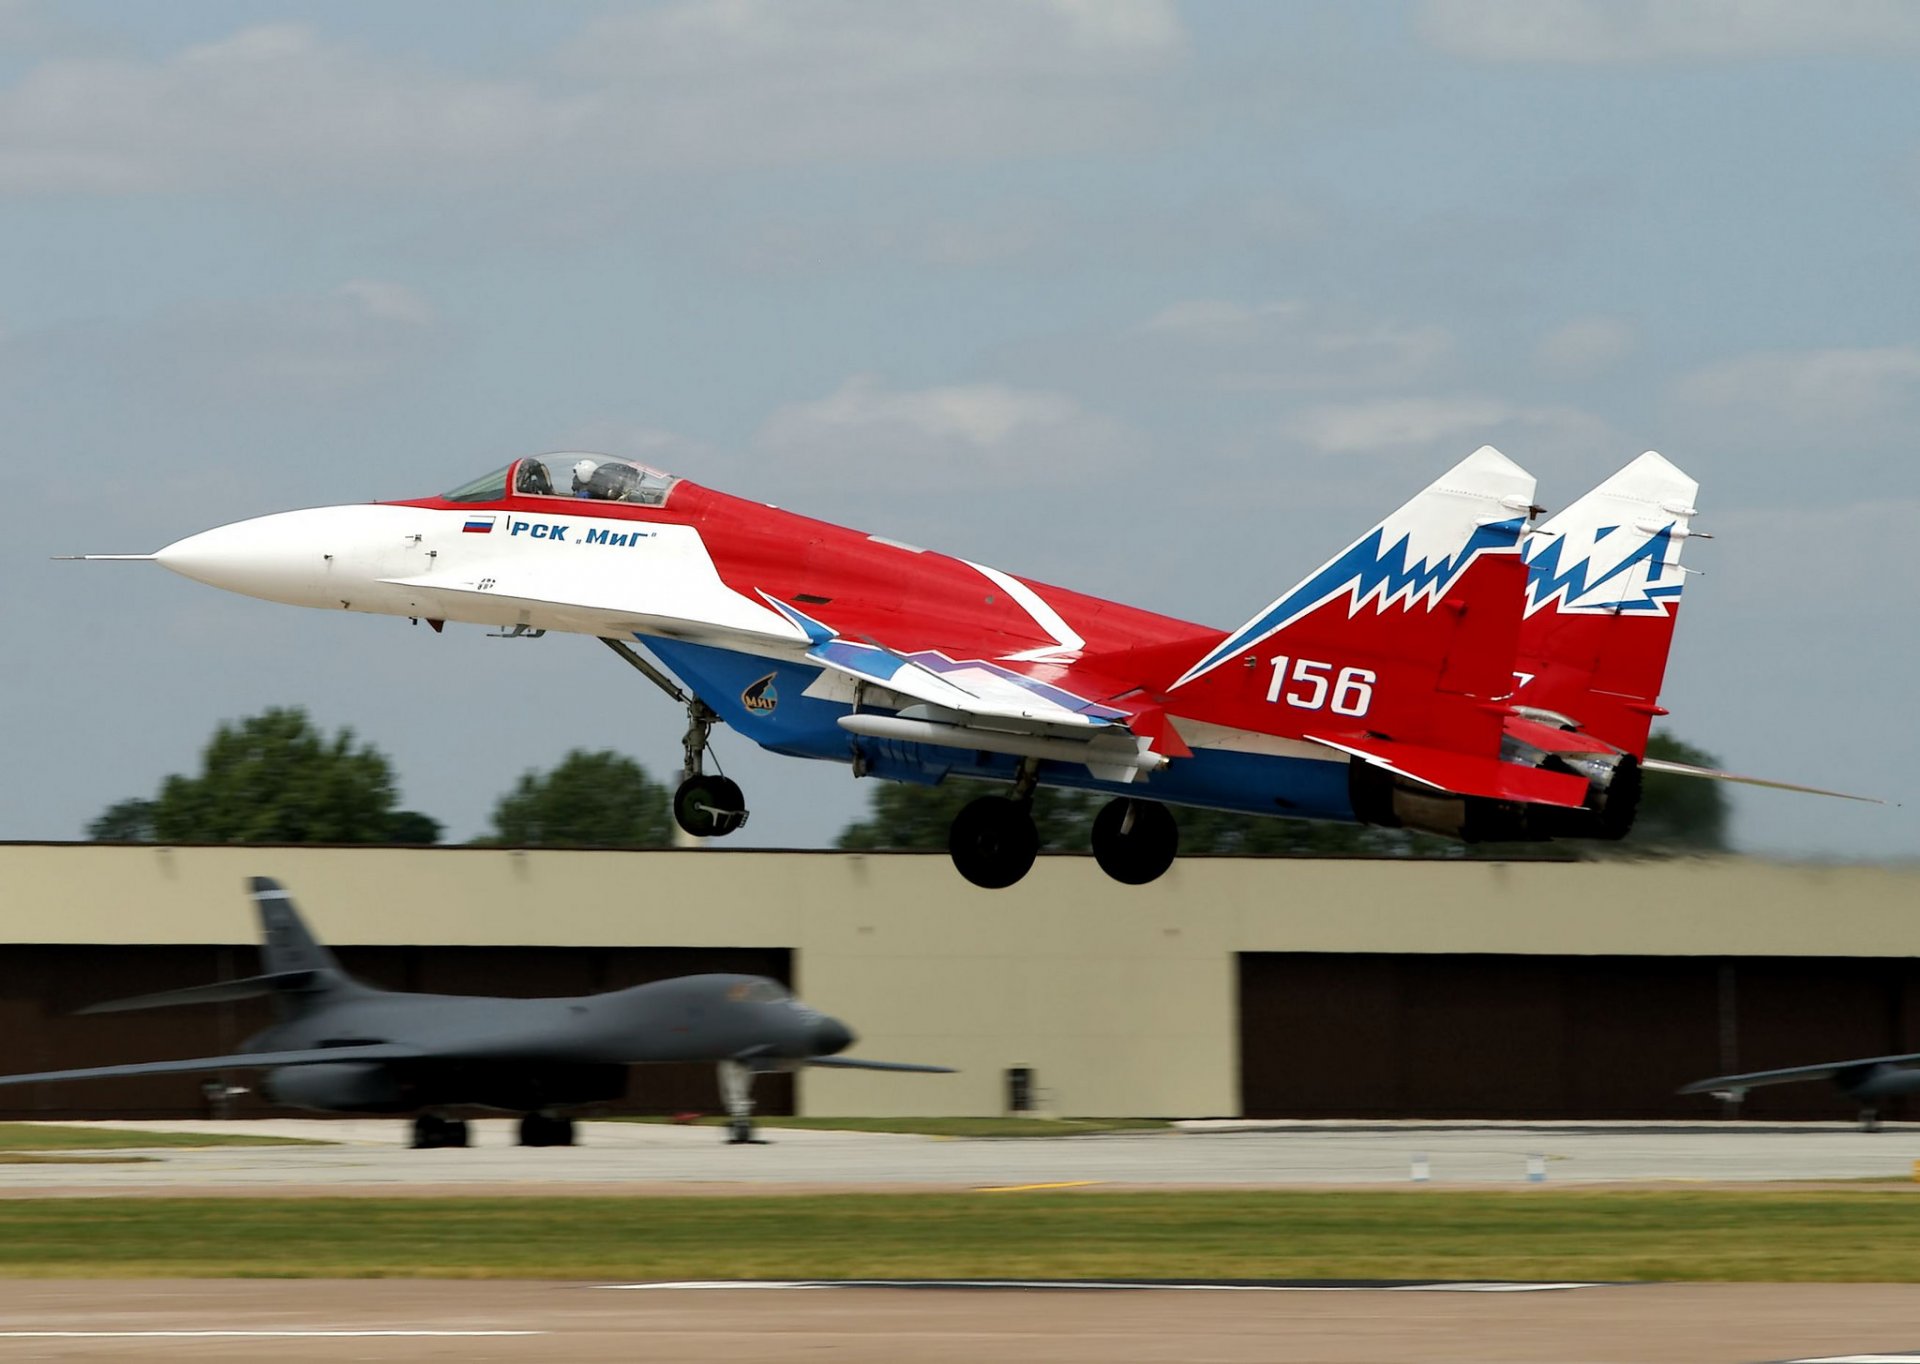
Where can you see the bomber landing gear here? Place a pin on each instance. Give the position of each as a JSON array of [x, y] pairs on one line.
[[1134, 841], [546, 1129], [431, 1132], [993, 840], [736, 1092]]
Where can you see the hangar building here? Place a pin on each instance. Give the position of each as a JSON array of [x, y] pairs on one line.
[[1256, 987]]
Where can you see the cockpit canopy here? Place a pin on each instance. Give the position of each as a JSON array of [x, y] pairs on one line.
[[596, 478]]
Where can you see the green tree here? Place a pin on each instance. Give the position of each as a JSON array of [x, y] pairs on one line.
[[1680, 814], [273, 778], [129, 821], [591, 800]]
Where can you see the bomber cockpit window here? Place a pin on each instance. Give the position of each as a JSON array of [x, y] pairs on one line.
[[598, 478], [760, 992], [488, 488]]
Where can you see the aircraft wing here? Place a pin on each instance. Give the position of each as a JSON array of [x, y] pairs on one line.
[[218, 993], [1792, 1074], [256, 1060], [1465, 773], [857, 1063]]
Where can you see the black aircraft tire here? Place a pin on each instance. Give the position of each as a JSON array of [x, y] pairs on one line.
[[457, 1133], [993, 842], [709, 806], [1144, 852]]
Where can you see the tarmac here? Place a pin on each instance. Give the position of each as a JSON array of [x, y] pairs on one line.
[[372, 1155], [409, 1320]]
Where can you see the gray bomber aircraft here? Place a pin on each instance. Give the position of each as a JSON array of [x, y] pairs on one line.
[[1867, 1081], [340, 1045]]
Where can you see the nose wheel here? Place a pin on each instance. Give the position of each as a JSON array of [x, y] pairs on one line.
[[708, 805], [1134, 841], [736, 1092], [705, 805]]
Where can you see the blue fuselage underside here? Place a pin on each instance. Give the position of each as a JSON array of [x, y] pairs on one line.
[[764, 699]]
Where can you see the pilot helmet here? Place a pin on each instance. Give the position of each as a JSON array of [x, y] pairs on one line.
[[582, 471]]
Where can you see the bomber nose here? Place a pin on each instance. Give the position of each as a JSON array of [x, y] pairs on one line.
[[830, 1035]]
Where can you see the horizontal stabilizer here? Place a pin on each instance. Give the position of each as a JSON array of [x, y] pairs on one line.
[[219, 993], [856, 1063], [1793, 1074], [1462, 773], [1712, 774], [259, 1060]]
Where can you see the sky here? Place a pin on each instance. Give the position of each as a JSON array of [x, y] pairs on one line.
[[1166, 302]]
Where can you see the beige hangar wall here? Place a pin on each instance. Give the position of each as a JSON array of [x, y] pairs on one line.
[[1121, 999]]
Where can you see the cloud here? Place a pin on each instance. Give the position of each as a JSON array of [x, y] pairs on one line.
[[1384, 425], [701, 84], [1607, 31], [950, 437], [1812, 389], [1585, 348], [219, 357], [1282, 346]]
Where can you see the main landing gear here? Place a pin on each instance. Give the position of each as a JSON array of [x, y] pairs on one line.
[[432, 1132], [1134, 841], [546, 1129], [705, 805], [736, 1092], [993, 840]]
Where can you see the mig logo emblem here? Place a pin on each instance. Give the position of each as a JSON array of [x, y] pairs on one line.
[[761, 698]]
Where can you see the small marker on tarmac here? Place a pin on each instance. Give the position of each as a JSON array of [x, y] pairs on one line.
[[1421, 1172], [1536, 1169]]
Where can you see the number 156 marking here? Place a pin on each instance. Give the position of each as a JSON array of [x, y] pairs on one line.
[[1312, 686]]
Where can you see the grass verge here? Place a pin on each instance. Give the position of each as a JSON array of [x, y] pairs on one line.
[[24, 1136], [951, 1127], [1775, 1237]]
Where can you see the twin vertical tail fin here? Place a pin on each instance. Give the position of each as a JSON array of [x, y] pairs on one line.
[[1408, 634], [1603, 589]]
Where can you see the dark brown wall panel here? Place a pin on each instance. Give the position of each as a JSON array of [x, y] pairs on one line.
[[1490, 1036]]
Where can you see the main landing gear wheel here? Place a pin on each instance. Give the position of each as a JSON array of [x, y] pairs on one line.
[[1134, 841], [545, 1129], [993, 841], [709, 806], [431, 1132]]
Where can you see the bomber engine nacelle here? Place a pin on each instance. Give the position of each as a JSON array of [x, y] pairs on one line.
[[338, 1087]]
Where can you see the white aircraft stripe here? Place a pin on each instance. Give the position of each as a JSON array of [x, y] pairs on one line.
[[1066, 640]]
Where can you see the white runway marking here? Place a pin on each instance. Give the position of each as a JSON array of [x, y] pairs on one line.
[[241, 1335], [1116, 1285]]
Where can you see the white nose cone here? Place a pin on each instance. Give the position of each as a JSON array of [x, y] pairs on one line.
[[306, 558]]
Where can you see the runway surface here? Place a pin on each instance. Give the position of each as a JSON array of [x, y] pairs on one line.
[[372, 1155], [303, 1320]]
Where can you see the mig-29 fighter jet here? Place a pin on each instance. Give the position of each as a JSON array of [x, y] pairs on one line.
[[341, 1046], [1456, 669]]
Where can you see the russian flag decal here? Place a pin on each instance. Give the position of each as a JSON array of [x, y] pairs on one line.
[[478, 525]]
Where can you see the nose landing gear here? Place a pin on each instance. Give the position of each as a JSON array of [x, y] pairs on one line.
[[705, 805], [736, 1092]]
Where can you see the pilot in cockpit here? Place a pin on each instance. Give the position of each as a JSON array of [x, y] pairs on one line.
[[582, 477], [533, 479]]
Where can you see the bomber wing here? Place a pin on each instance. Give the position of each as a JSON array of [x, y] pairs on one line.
[[857, 1063], [256, 1060], [1825, 1071]]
